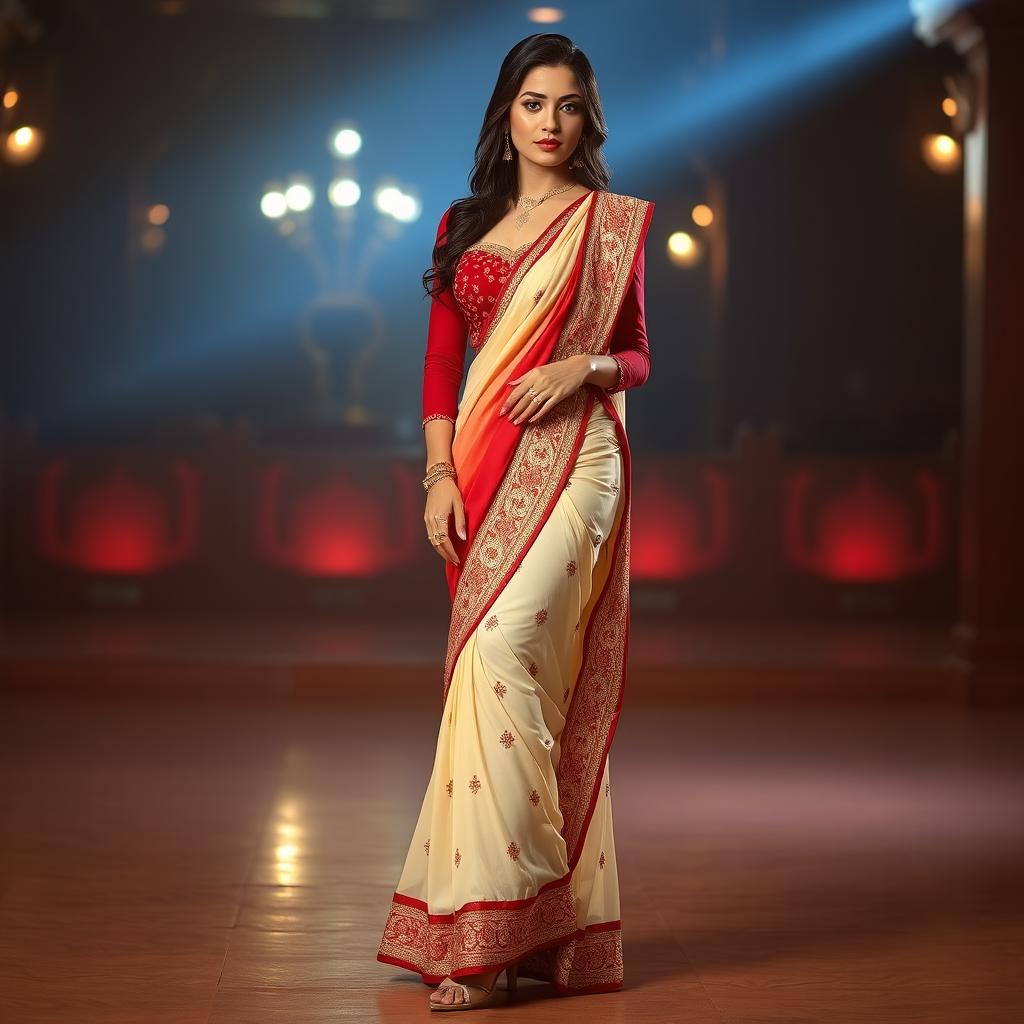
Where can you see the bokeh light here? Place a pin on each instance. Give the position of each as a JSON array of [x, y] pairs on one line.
[[393, 201], [22, 145], [345, 142], [683, 249], [273, 204], [941, 153], [545, 15], [702, 215], [299, 196], [343, 192]]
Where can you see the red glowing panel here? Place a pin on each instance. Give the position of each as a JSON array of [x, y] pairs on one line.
[[118, 523], [677, 533], [864, 533], [338, 524]]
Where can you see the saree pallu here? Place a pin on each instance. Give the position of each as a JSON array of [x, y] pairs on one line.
[[512, 856]]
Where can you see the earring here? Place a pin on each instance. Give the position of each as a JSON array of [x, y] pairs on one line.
[[507, 155]]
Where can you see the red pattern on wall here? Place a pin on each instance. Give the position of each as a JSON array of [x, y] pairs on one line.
[[117, 521], [864, 530]]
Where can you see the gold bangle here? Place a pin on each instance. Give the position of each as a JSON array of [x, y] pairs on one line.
[[437, 472]]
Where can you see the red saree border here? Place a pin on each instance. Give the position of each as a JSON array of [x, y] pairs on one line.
[[547, 942], [589, 962], [479, 934], [609, 622], [542, 968]]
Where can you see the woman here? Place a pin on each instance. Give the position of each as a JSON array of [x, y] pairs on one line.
[[512, 863]]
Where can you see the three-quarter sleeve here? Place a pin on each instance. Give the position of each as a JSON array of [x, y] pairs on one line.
[[446, 351], [629, 346]]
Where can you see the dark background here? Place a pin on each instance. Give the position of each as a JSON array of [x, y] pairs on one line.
[[843, 305]]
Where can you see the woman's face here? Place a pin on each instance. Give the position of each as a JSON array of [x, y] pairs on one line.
[[549, 106]]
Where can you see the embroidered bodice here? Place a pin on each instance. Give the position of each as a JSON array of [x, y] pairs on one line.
[[480, 274]]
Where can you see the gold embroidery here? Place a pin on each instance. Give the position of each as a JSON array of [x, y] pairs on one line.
[[498, 249], [480, 265], [480, 935], [592, 961], [437, 416]]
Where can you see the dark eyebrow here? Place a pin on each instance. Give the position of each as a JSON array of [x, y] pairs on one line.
[[540, 95]]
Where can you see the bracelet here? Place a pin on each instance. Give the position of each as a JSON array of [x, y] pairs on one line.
[[618, 363], [438, 471], [429, 482]]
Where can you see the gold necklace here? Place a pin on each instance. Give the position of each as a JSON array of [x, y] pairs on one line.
[[529, 205]]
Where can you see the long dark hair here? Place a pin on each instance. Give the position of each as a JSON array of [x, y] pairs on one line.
[[494, 181]]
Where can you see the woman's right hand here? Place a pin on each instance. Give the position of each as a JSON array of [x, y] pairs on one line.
[[443, 501]]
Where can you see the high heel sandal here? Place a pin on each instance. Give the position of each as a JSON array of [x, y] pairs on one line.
[[489, 994]]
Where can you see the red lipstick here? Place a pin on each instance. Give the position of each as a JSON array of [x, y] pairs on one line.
[[549, 144]]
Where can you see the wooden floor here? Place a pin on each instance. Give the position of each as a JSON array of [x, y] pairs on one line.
[[222, 862], [318, 658]]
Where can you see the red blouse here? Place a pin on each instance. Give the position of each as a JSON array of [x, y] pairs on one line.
[[479, 276]]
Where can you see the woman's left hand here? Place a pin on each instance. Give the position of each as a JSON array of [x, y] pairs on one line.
[[551, 383]]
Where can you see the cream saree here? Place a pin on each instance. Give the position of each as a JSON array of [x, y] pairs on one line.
[[512, 856]]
